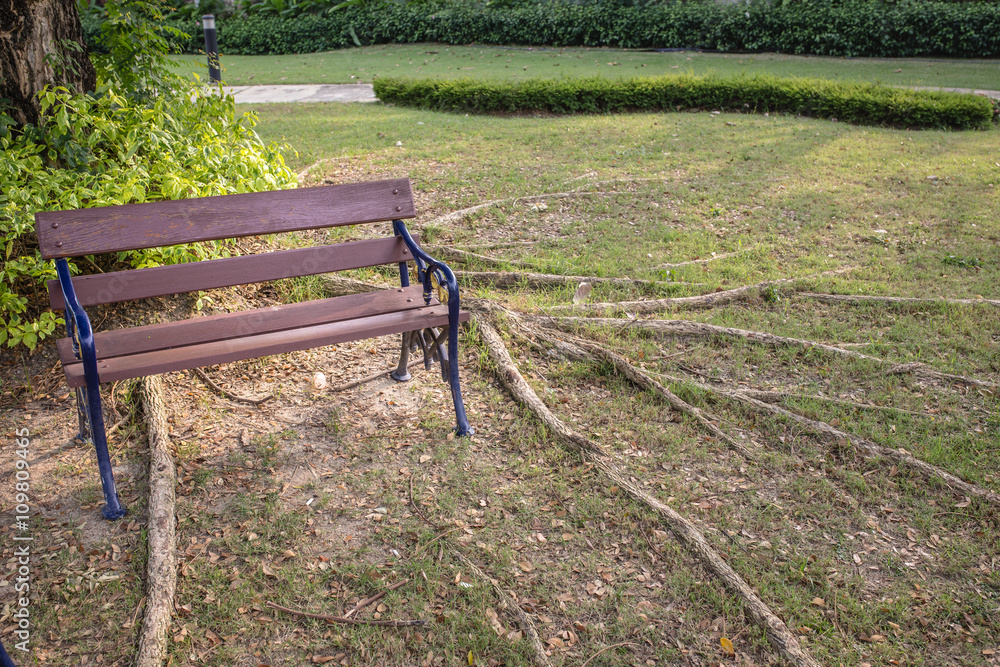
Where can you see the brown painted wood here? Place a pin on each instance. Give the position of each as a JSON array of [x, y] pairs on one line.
[[93, 231], [208, 274], [226, 326], [206, 354]]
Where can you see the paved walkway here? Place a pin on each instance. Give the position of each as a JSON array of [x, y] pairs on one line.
[[349, 92], [995, 94], [362, 92]]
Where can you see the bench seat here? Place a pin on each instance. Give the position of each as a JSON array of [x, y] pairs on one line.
[[216, 339]]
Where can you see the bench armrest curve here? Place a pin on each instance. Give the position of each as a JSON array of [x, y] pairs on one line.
[[444, 273], [78, 323]]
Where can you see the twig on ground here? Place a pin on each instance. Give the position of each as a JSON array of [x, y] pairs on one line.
[[777, 632], [505, 600], [371, 378], [413, 504], [416, 552], [375, 598], [73, 443], [344, 620], [508, 604], [228, 394], [605, 649], [161, 567]]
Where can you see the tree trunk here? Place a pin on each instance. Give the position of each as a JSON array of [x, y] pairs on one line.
[[41, 42]]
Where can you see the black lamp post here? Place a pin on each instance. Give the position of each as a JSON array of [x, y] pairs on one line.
[[211, 47]]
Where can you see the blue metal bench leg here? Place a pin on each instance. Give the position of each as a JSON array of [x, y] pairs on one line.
[[462, 427], [113, 508], [5, 660], [401, 374], [89, 399]]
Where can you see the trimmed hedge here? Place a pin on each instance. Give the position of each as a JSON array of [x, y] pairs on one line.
[[853, 28], [864, 104]]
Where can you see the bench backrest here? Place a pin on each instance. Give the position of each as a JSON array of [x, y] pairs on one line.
[[92, 231], [135, 226]]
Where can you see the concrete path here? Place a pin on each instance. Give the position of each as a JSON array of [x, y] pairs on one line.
[[362, 92], [350, 92], [995, 94]]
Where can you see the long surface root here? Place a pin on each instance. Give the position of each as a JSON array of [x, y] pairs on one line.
[[777, 632]]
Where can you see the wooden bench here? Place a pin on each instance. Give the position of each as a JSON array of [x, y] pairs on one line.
[[90, 359]]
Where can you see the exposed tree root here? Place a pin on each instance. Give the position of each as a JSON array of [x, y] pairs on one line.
[[896, 300], [643, 380], [455, 216], [654, 179], [344, 620], [777, 632], [691, 262], [863, 446], [687, 328], [780, 396], [652, 306], [498, 244], [338, 285], [515, 278], [161, 568], [305, 172], [720, 298], [465, 257]]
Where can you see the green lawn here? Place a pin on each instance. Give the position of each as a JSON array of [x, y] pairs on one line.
[[439, 61], [868, 563]]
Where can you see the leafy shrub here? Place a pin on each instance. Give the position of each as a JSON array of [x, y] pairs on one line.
[[143, 136], [866, 104], [868, 28], [99, 150]]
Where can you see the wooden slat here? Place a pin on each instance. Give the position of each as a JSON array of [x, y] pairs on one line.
[[125, 342], [208, 274], [151, 363], [92, 231]]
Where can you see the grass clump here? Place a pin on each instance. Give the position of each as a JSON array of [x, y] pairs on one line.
[[857, 103]]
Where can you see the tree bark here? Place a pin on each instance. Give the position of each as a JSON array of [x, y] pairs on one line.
[[36, 49]]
